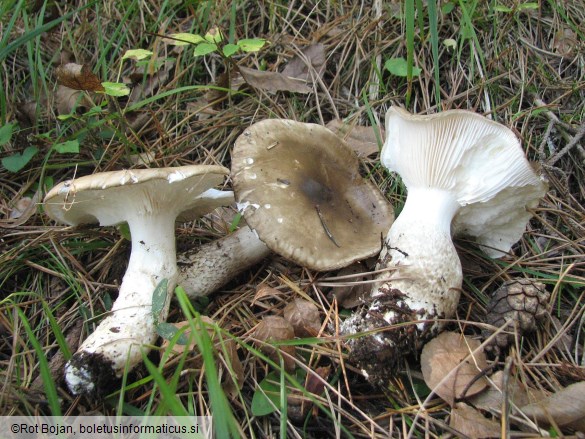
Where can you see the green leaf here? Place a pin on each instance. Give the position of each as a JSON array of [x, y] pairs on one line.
[[16, 162], [168, 331], [115, 89], [398, 67], [69, 147], [266, 399], [184, 39], [502, 8], [214, 35], [159, 299], [528, 5], [6, 133], [137, 54], [204, 49], [124, 230], [235, 222], [230, 49], [251, 44]]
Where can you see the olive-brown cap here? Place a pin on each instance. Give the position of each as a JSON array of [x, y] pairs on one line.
[[300, 189]]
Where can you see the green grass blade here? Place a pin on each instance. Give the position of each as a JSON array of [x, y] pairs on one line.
[[45, 371], [409, 12], [225, 425], [433, 27], [36, 32]]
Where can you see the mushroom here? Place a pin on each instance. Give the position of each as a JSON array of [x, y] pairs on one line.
[[204, 269], [149, 200], [302, 196], [464, 173], [299, 187]]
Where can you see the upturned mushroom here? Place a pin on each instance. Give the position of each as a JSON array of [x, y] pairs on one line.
[[150, 201], [301, 193], [464, 174]]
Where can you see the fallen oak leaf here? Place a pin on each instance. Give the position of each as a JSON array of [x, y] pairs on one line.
[[78, 77]]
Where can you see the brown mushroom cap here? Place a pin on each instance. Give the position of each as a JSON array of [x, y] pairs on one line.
[[300, 189], [110, 197]]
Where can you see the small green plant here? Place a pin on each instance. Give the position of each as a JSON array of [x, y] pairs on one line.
[[213, 41]]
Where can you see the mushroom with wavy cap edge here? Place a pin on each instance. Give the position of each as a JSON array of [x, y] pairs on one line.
[[466, 175]]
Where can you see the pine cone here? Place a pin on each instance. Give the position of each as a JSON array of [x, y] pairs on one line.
[[521, 302]]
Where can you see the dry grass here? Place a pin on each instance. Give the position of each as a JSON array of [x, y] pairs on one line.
[[523, 68]]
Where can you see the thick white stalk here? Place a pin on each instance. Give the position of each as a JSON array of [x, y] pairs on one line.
[[422, 283], [121, 337], [208, 267]]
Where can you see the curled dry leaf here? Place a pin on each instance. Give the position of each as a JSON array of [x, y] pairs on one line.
[[274, 328], [472, 423], [273, 81], [304, 318], [68, 99], [447, 370], [78, 77], [311, 58], [566, 408], [233, 380], [362, 139], [22, 205]]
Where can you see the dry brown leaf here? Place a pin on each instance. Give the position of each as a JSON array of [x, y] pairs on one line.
[[20, 207], [304, 318], [311, 58], [234, 378], [68, 99], [315, 385], [298, 402], [446, 372], [274, 328], [472, 423], [78, 77], [273, 81], [21, 212], [565, 42], [565, 407], [493, 397], [361, 139]]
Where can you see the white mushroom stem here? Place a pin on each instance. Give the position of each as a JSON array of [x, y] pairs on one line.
[[426, 268], [120, 337], [206, 268], [421, 287]]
